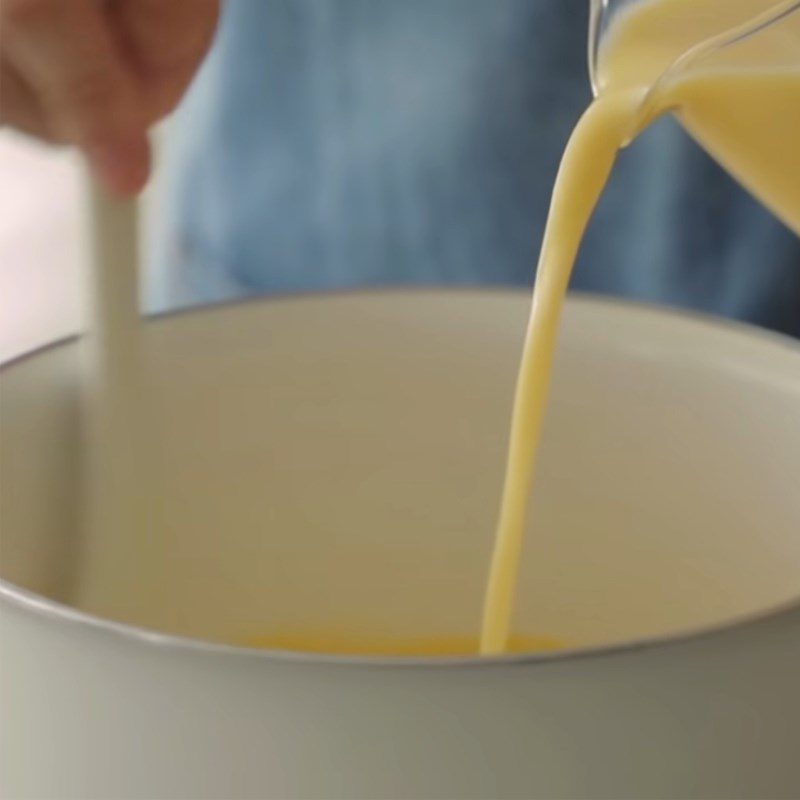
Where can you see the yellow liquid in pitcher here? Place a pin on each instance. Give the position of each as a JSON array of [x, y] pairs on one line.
[[739, 101], [742, 104]]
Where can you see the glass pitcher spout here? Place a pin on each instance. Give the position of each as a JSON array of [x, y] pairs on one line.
[[728, 69]]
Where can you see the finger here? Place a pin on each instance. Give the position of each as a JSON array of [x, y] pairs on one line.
[[166, 41], [65, 51], [19, 107]]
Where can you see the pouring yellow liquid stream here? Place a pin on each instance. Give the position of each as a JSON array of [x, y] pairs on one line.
[[741, 101], [584, 170]]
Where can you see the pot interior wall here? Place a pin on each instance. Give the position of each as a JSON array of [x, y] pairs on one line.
[[333, 466]]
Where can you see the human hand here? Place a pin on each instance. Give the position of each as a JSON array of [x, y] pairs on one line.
[[98, 73]]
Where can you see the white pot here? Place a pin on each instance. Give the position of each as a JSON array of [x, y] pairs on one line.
[[334, 463]]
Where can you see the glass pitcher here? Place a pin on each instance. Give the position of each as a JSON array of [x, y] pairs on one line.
[[728, 69]]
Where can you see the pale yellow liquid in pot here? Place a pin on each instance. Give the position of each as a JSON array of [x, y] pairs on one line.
[[741, 102]]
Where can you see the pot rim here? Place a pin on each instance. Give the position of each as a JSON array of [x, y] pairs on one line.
[[55, 611]]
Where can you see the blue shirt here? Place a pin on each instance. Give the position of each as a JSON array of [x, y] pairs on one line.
[[339, 143]]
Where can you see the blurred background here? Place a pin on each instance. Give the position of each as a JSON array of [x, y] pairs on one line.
[[330, 144]]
